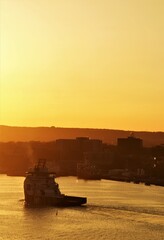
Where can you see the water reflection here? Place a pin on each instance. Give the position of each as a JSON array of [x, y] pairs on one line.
[[115, 210]]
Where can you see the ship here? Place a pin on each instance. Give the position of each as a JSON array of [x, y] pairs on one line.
[[41, 189], [87, 168], [87, 172]]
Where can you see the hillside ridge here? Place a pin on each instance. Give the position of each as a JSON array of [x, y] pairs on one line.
[[46, 134]]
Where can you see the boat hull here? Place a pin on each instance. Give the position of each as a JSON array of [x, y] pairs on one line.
[[61, 201]]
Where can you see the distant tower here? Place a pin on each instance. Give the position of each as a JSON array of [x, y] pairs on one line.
[[130, 144], [131, 134]]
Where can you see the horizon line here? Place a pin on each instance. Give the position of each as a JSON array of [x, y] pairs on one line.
[[110, 129]]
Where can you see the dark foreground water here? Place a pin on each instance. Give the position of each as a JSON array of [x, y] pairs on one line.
[[114, 211]]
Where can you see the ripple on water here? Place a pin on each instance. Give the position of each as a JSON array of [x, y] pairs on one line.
[[114, 211]]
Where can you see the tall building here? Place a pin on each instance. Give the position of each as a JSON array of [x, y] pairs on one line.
[[130, 145]]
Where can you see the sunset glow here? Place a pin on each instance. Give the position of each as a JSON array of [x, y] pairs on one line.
[[77, 63]]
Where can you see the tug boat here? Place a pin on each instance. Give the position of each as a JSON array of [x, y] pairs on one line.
[[40, 189]]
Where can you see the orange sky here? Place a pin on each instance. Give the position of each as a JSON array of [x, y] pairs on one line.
[[82, 63]]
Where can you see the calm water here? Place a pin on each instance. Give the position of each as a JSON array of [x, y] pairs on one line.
[[115, 210]]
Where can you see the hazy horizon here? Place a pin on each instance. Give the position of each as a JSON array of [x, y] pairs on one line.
[[67, 127]]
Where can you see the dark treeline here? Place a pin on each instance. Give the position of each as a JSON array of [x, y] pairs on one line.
[[127, 158]]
